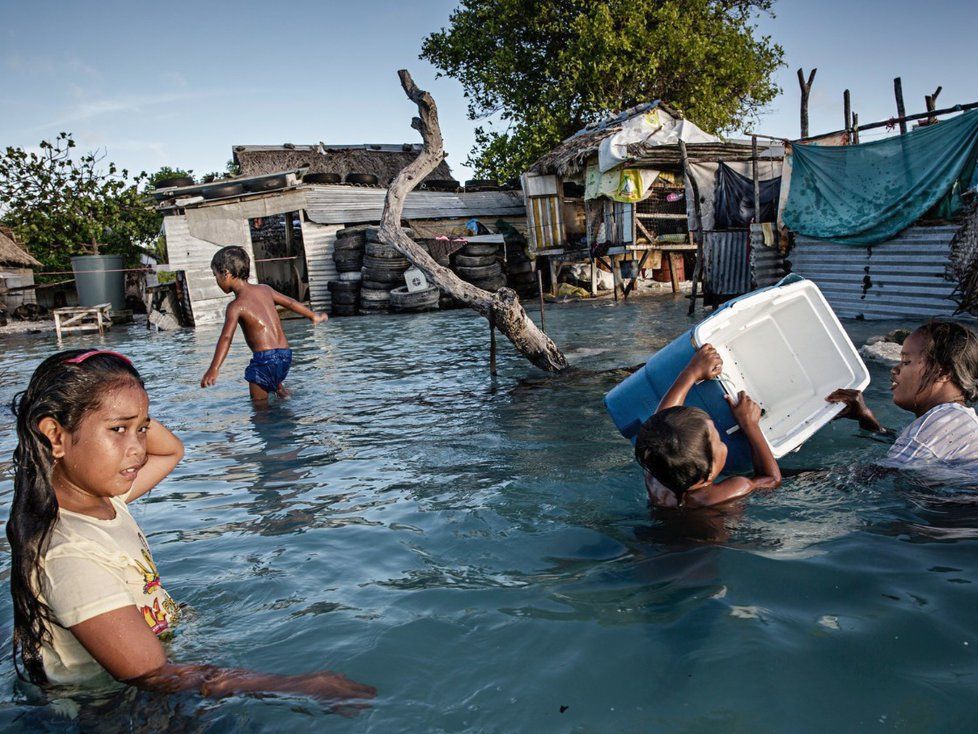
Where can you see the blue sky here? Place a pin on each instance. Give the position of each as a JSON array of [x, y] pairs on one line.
[[177, 84]]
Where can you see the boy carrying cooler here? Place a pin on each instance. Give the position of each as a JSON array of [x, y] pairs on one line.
[[254, 307], [682, 452]]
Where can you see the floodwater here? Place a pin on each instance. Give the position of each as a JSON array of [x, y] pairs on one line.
[[480, 550]]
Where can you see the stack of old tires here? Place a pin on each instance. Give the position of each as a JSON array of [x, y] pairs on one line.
[[520, 275], [477, 263], [383, 271], [348, 257]]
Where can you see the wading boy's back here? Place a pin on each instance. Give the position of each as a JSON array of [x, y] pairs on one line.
[[254, 308]]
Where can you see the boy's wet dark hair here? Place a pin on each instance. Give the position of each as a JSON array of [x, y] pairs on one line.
[[952, 349], [232, 260], [674, 447]]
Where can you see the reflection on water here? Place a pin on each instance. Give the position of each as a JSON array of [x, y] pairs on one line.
[[480, 550]]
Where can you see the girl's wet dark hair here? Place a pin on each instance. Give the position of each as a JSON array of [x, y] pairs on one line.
[[951, 349], [674, 446], [66, 392]]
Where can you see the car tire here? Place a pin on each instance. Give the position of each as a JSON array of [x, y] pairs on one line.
[[481, 273], [474, 261]]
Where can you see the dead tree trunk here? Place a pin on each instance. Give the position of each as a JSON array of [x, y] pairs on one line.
[[806, 89], [503, 305]]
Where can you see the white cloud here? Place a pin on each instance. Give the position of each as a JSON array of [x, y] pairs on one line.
[[114, 105]]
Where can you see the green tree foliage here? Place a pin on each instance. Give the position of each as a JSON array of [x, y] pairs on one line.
[[153, 179], [62, 204], [546, 68]]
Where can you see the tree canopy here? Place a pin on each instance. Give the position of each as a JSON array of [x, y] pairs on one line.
[[546, 68], [62, 204]]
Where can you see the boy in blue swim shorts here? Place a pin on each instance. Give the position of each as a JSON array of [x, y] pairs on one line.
[[254, 307]]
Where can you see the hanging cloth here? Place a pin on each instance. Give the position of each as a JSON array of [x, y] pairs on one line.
[[733, 199], [866, 194], [626, 185]]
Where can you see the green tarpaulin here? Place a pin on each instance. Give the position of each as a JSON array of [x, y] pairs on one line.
[[865, 194]]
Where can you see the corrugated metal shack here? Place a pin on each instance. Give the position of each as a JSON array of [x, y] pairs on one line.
[[907, 276], [289, 226], [617, 192]]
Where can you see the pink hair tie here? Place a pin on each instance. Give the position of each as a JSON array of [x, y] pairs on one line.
[[82, 357]]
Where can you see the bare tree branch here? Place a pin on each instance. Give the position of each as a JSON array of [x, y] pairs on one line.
[[503, 305]]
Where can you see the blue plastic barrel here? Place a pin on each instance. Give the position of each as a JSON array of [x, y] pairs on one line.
[[637, 396]]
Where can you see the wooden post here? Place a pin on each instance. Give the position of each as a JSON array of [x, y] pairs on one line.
[[806, 88], [847, 111], [698, 268], [492, 341], [931, 101], [615, 275], [543, 322], [756, 178], [901, 110], [855, 129]]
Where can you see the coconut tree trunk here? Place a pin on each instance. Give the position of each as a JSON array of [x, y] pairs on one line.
[[503, 306]]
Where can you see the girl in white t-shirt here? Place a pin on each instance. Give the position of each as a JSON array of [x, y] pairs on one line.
[[88, 598], [936, 379]]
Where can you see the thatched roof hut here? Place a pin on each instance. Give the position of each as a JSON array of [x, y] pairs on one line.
[[12, 254], [383, 161]]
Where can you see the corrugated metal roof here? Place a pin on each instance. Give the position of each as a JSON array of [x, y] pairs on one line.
[[900, 278]]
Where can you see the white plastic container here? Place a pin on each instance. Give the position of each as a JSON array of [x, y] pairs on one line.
[[785, 347], [415, 280]]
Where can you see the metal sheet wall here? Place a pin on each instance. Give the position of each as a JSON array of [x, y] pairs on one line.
[[318, 241], [727, 267], [358, 204], [766, 265], [900, 278], [544, 222], [193, 256]]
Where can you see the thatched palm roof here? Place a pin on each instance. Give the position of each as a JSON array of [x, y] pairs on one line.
[[13, 254], [384, 161], [573, 153]]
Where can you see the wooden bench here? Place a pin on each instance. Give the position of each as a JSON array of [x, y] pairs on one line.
[[83, 318]]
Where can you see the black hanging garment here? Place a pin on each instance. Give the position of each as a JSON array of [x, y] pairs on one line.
[[733, 199]]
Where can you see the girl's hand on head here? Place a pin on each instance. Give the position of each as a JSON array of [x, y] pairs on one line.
[[705, 364], [746, 411]]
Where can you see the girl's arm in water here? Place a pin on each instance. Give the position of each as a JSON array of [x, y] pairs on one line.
[[163, 453], [123, 644]]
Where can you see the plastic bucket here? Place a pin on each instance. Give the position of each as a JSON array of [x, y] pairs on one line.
[[100, 279]]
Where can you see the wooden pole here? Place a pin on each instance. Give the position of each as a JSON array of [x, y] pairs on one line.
[[908, 118], [543, 321], [492, 341], [931, 101], [698, 267], [806, 88], [901, 110], [855, 129], [847, 111], [757, 180]]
